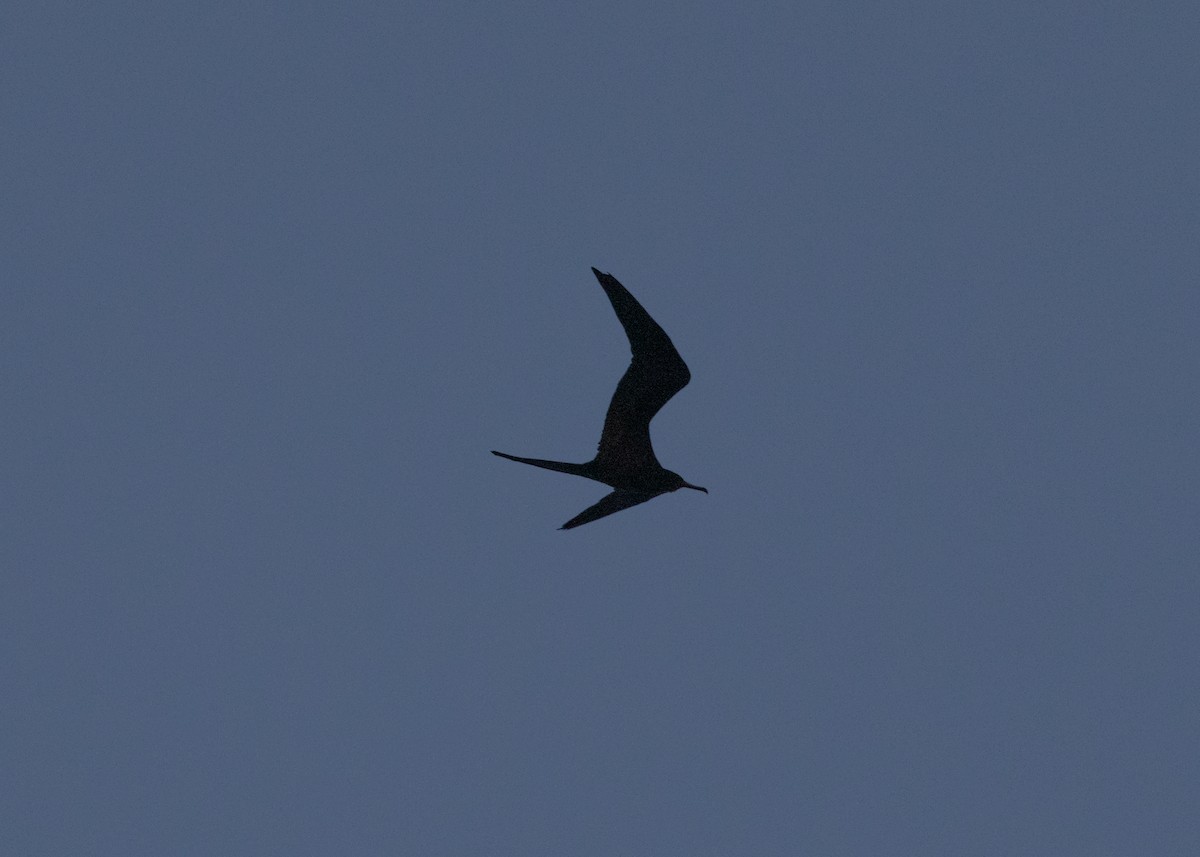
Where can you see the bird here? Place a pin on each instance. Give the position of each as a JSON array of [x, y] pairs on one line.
[[625, 458]]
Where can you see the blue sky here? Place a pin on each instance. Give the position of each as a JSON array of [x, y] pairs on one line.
[[278, 276]]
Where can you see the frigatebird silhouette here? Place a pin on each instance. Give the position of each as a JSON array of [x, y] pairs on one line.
[[625, 459]]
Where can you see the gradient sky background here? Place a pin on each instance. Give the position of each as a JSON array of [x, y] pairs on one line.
[[276, 277]]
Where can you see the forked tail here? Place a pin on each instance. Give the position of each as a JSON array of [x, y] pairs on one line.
[[561, 466]]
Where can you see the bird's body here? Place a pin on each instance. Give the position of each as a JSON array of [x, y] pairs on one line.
[[625, 456]]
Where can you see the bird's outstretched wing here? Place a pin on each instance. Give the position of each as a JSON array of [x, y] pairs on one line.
[[656, 373], [614, 502]]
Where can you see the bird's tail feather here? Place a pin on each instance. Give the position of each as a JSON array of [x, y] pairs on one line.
[[560, 466]]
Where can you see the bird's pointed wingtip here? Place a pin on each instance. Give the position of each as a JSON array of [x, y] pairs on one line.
[[598, 272]]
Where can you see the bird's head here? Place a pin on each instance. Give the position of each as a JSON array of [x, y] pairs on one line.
[[678, 482]]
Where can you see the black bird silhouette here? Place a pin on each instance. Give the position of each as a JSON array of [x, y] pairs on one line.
[[625, 459]]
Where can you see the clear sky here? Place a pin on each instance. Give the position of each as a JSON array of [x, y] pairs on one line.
[[277, 276]]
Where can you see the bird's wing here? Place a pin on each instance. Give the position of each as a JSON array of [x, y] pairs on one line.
[[656, 373], [614, 502]]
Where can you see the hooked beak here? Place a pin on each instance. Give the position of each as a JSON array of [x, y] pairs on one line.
[[694, 487]]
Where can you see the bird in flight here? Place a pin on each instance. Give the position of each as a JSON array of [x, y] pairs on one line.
[[625, 459]]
